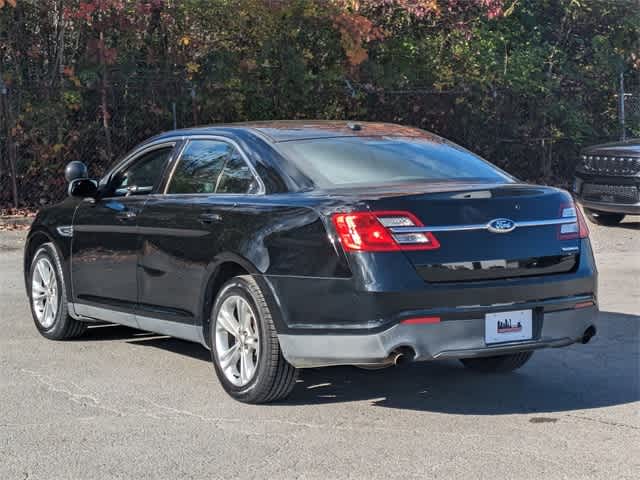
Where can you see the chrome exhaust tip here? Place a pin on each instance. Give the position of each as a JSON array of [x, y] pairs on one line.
[[399, 359], [402, 356]]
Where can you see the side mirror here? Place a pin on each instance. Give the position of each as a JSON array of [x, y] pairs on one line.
[[83, 188], [75, 170]]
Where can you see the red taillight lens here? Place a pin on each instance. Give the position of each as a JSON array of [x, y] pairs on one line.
[[577, 229], [371, 232], [363, 232], [584, 230]]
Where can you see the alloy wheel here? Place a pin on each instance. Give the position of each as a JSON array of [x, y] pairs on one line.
[[237, 340], [44, 292]]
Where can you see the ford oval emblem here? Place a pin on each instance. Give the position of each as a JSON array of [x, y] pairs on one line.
[[501, 225]]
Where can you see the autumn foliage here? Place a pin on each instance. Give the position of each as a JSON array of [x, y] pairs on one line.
[[524, 83]]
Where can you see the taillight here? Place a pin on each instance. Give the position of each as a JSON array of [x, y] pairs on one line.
[[573, 230], [583, 230], [372, 232]]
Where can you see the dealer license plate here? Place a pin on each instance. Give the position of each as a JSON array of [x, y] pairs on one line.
[[508, 326]]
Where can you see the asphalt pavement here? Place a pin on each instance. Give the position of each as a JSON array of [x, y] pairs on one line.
[[120, 403]]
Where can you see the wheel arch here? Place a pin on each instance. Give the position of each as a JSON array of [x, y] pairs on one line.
[[38, 237], [35, 240], [222, 269]]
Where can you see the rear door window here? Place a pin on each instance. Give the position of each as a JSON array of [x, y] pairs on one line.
[[212, 166]]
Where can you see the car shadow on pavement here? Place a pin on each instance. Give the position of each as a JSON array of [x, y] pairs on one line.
[[627, 225], [175, 345], [603, 373], [110, 331]]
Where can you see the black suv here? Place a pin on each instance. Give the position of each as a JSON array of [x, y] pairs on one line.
[[607, 181]]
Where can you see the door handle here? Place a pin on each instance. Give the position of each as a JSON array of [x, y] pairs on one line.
[[126, 215], [209, 218]]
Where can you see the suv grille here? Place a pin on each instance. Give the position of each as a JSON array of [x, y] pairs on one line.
[[610, 165], [610, 193]]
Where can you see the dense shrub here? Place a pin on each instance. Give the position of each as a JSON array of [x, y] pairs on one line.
[[525, 83]]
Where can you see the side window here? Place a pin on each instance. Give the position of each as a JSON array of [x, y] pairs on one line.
[[237, 177], [143, 175], [212, 166], [199, 167]]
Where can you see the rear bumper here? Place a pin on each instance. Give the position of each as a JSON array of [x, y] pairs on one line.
[[444, 340], [633, 209], [391, 290], [328, 321]]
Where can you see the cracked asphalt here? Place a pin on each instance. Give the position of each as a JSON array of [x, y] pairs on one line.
[[120, 403]]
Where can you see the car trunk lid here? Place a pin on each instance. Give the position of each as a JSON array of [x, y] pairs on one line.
[[460, 216]]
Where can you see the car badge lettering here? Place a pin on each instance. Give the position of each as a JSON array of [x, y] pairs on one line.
[[501, 225]]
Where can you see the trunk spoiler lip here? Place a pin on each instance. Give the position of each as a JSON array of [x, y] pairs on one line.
[[373, 191], [484, 226]]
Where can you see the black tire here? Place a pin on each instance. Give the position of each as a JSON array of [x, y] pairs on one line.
[[64, 327], [604, 218], [274, 377], [498, 364]]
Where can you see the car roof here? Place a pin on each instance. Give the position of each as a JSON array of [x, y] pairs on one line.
[[289, 130]]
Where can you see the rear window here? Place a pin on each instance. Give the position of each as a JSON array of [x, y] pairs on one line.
[[348, 161]]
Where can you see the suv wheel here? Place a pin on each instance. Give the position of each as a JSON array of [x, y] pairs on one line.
[[498, 364], [604, 218], [244, 345], [48, 299]]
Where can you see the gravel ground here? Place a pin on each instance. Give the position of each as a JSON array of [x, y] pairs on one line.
[[119, 403]]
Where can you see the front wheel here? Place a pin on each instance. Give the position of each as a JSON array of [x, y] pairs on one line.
[[47, 295], [498, 364], [604, 218], [244, 345]]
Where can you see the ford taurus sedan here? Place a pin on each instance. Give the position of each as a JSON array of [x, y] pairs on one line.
[[287, 245]]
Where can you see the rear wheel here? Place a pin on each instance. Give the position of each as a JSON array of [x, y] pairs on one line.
[[604, 218], [244, 345], [48, 298], [498, 364]]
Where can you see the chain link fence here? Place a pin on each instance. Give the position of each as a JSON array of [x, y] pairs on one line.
[[34, 150], [632, 109]]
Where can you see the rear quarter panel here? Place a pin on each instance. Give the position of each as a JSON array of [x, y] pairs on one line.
[[269, 236]]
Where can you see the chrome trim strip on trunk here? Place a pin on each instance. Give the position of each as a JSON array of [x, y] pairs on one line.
[[483, 226]]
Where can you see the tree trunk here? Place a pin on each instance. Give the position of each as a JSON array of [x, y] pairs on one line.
[[5, 110], [11, 147], [103, 103], [194, 106]]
